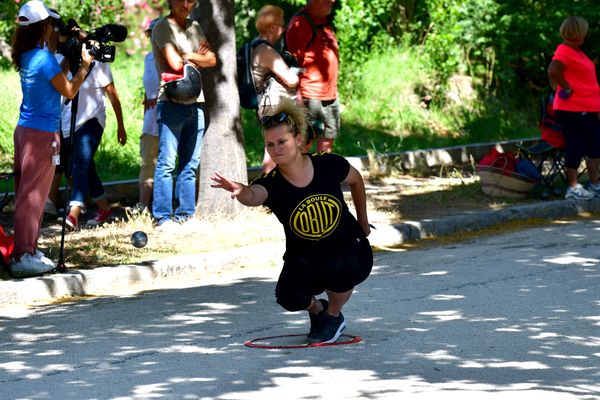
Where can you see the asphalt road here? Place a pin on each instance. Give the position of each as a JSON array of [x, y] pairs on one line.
[[512, 316]]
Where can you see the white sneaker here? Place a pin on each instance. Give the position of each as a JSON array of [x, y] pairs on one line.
[[168, 226], [595, 189], [42, 257], [577, 192], [50, 208], [29, 265], [192, 225]]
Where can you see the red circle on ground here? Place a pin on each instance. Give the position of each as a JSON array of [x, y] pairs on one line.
[[253, 343]]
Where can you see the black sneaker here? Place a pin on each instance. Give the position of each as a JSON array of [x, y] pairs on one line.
[[316, 318], [329, 329]]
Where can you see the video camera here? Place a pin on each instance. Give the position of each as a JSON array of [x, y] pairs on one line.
[[96, 41]]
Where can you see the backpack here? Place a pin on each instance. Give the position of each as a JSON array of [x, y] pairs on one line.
[[245, 79], [314, 27], [551, 131]]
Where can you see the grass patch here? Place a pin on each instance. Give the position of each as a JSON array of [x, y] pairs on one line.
[[9, 115], [110, 244], [118, 162], [396, 105], [393, 104]]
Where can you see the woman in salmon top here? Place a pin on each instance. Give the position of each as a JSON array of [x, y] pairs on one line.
[[577, 106]]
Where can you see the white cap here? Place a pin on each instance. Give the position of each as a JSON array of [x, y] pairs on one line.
[[34, 11]]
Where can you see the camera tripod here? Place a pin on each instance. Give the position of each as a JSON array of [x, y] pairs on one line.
[[60, 265]]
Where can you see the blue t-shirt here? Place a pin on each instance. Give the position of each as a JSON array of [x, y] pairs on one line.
[[40, 107]]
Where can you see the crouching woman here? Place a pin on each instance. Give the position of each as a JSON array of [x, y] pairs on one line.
[[326, 247]]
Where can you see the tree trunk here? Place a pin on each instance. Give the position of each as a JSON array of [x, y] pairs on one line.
[[223, 145]]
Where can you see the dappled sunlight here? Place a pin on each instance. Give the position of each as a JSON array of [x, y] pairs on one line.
[[189, 319], [515, 365], [307, 382], [510, 329], [438, 355], [15, 366], [519, 321], [372, 319], [572, 258], [434, 273], [443, 316], [417, 329], [192, 349], [130, 332], [595, 318], [50, 353], [28, 338]]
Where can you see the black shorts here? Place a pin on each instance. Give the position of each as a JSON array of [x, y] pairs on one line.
[[582, 134], [305, 276]]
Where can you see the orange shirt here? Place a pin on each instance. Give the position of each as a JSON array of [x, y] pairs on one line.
[[580, 73], [321, 59]]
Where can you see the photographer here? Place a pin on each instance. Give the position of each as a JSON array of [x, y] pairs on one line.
[[89, 128], [36, 138], [90, 121], [177, 41]]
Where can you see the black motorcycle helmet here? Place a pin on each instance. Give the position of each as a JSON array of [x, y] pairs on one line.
[[186, 89]]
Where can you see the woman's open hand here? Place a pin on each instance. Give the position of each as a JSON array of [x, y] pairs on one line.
[[223, 183]]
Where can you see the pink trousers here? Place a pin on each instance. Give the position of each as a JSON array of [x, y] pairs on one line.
[[33, 177]]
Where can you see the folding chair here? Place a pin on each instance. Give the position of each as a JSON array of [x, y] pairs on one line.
[[548, 154]]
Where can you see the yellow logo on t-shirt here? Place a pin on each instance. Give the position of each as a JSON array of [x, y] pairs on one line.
[[316, 216]]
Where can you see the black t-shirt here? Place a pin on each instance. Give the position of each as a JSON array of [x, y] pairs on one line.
[[314, 217]]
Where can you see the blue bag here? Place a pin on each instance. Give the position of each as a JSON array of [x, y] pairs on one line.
[[527, 168]]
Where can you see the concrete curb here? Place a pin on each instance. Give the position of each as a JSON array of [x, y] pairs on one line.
[[128, 278], [116, 279], [417, 230]]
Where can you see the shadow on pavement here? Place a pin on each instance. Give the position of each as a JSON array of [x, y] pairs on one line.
[[522, 317]]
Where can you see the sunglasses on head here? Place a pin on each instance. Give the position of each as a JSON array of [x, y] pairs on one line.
[[271, 121]]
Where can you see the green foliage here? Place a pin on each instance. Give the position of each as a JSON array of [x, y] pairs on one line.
[[395, 105], [397, 59], [8, 14], [245, 16], [9, 109], [506, 45], [526, 36], [117, 162], [365, 25], [88, 13], [456, 37], [253, 138]]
